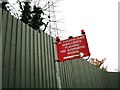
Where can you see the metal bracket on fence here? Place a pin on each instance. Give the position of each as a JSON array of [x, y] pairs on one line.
[[56, 61], [54, 43]]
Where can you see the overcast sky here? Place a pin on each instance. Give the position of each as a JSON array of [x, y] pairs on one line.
[[99, 19]]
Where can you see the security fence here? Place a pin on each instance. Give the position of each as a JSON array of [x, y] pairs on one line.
[[28, 61]]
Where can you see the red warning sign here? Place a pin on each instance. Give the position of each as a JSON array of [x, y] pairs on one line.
[[73, 48]]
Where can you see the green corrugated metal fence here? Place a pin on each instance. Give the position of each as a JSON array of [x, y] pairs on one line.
[[81, 74], [27, 60], [27, 56]]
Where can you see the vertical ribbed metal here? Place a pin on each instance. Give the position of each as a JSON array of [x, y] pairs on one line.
[[28, 61], [50, 82], [36, 59], [23, 59], [43, 61], [6, 53], [4, 31], [52, 62], [46, 61], [27, 58], [18, 56], [12, 55], [32, 59], [85, 75], [39, 61]]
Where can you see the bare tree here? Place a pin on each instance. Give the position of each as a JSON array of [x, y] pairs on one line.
[[41, 17]]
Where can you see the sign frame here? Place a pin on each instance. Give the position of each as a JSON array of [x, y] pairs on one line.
[[72, 48]]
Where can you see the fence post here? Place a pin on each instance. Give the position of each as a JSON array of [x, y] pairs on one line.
[[57, 74], [56, 67]]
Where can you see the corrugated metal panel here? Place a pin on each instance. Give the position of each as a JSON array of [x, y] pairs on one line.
[[0, 48], [32, 58], [53, 62], [92, 75], [46, 60], [81, 73], [13, 52], [18, 56], [4, 28], [43, 61], [36, 59], [111, 79], [85, 75], [49, 62], [28, 57], [39, 61], [23, 57], [29, 61], [6, 48]]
